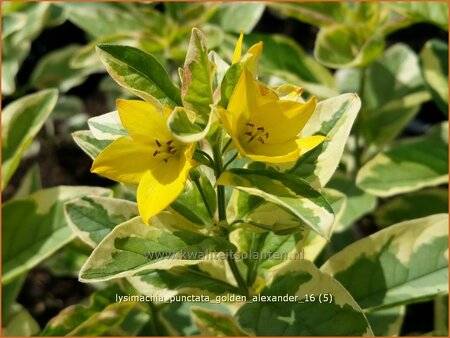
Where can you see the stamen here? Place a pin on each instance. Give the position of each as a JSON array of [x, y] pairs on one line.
[[260, 128], [158, 143], [156, 152], [260, 139], [267, 135], [249, 133], [250, 124], [165, 160], [169, 142]]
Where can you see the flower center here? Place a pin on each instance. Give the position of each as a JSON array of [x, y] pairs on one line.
[[258, 133], [165, 150]]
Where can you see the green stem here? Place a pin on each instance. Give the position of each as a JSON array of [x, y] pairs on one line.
[[218, 168], [256, 246], [237, 275], [157, 328], [202, 194], [226, 146], [230, 160]]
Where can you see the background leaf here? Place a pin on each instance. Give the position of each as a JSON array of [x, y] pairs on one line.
[[409, 166], [415, 250], [34, 227], [343, 315], [21, 121], [434, 57]]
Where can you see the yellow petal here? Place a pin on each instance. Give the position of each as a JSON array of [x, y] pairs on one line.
[[143, 121], [283, 120], [238, 49], [308, 143], [251, 58], [161, 186], [273, 153], [124, 160]]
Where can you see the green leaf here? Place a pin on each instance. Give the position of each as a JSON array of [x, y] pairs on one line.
[[415, 205], [34, 227], [140, 73], [273, 249], [228, 83], [392, 94], [107, 126], [182, 124], [196, 77], [205, 279], [441, 315], [16, 46], [334, 118], [284, 58], [432, 12], [10, 291], [401, 264], [102, 316], [21, 323], [214, 323], [93, 217], [30, 183], [358, 203], [21, 121], [387, 322], [408, 166], [315, 13], [12, 23], [133, 247], [89, 144], [190, 204], [239, 17], [287, 191], [54, 70], [102, 18], [434, 57], [342, 316], [348, 45]]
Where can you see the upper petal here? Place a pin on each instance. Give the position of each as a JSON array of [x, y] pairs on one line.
[[161, 186], [143, 121], [238, 49], [284, 119], [124, 160]]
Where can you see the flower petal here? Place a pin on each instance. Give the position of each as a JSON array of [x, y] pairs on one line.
[[143, 121], [238, 49], [284, 119], [161, 186], [273, 153], [124, 160], [308, 143]]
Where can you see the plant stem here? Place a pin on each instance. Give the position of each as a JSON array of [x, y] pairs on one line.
[[202, 194], [256, 246], [230, 160], [218, 168], [237, 275]]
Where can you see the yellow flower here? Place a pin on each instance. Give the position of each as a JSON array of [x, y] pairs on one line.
[[150, 156], [265, 128], [251, 58]]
